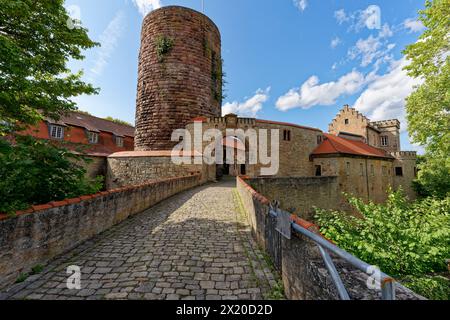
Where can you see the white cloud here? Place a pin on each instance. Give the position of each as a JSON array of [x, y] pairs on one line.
[[301, 4], [413, 25], [312, 93], [335, 42], [369, 18], [341, 16], [248, 108], [146, 6], [373, 49], [385, 96], [108, 41]]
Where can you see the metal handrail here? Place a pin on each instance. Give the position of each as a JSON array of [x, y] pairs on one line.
[[388, 284]]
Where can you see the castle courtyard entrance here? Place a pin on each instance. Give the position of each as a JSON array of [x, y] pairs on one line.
[[195, 245]]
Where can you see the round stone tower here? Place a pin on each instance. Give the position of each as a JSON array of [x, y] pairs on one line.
[[180, 75]]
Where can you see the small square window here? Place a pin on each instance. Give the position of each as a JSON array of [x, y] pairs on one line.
[[318, 171], [56, 132], [346, 121], [93, 137], [399, 171]]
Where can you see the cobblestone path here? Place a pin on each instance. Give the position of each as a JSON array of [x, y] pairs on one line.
[[195, 245]]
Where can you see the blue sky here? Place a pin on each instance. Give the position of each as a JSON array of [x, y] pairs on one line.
[[296, 61]]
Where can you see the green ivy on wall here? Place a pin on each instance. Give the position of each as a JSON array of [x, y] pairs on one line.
[[163, 46]]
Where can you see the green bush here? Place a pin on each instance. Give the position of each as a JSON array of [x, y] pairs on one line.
[[402, 238], [34, 171], [432, 287]]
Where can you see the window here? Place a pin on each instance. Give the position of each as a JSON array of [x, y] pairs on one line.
[[318, 171], [119, 141], [399, 171], [319, 139], [346, 121], [56, 132], [361, 169], [384, 141], [93, 137], [348, 168], [384, 170], [287, 135], [372, 170]]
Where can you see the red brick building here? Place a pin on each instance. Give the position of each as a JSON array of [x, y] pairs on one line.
[[99, 137]]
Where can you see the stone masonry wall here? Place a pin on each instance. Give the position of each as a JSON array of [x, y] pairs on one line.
[[303, 272], [37, 235], [124, 171], [183, 83], [300, 194]]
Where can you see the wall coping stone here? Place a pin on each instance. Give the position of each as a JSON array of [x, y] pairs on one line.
[[56, 204]]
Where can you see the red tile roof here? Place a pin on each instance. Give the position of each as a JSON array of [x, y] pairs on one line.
[[338, 145], [95, 124]]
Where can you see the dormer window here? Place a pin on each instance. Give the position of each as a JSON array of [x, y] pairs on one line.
[[93, 137], [56, 132], [119, 142]]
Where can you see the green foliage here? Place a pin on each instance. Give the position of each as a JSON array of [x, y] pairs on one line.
[[163, 46], [433, 177], [400, 237], [37, 269], [218, 79], [428, 107], [34, 171], [118, 121], [277, 292], [22, 277], [431, 287], [35, 44]]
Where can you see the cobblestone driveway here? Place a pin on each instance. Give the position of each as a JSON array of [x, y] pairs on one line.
[[195, 245]]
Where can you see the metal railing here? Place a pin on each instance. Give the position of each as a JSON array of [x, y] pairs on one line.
[[388, 284]]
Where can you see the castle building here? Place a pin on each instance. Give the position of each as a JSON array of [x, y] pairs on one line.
[[179, 87]]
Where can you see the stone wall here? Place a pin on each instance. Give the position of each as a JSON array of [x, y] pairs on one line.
[[131, 168], [407, 160], [300, 195], [37, 235], [178, 85], [303, 272]]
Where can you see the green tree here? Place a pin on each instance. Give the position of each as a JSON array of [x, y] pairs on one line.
[[428, 107], [37, 39], [410, 241], [34, 171]]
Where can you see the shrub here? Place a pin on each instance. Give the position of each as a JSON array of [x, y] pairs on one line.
[[400, 237], [34, 171]]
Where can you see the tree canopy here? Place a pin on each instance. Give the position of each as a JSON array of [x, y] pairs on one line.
[[428, 107], [37, 39]]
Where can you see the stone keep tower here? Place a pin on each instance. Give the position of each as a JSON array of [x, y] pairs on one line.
[[180, 75]]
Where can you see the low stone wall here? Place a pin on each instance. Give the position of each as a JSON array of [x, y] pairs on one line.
[[303, 272], [39, 234], [300, 195], [135, 167]]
